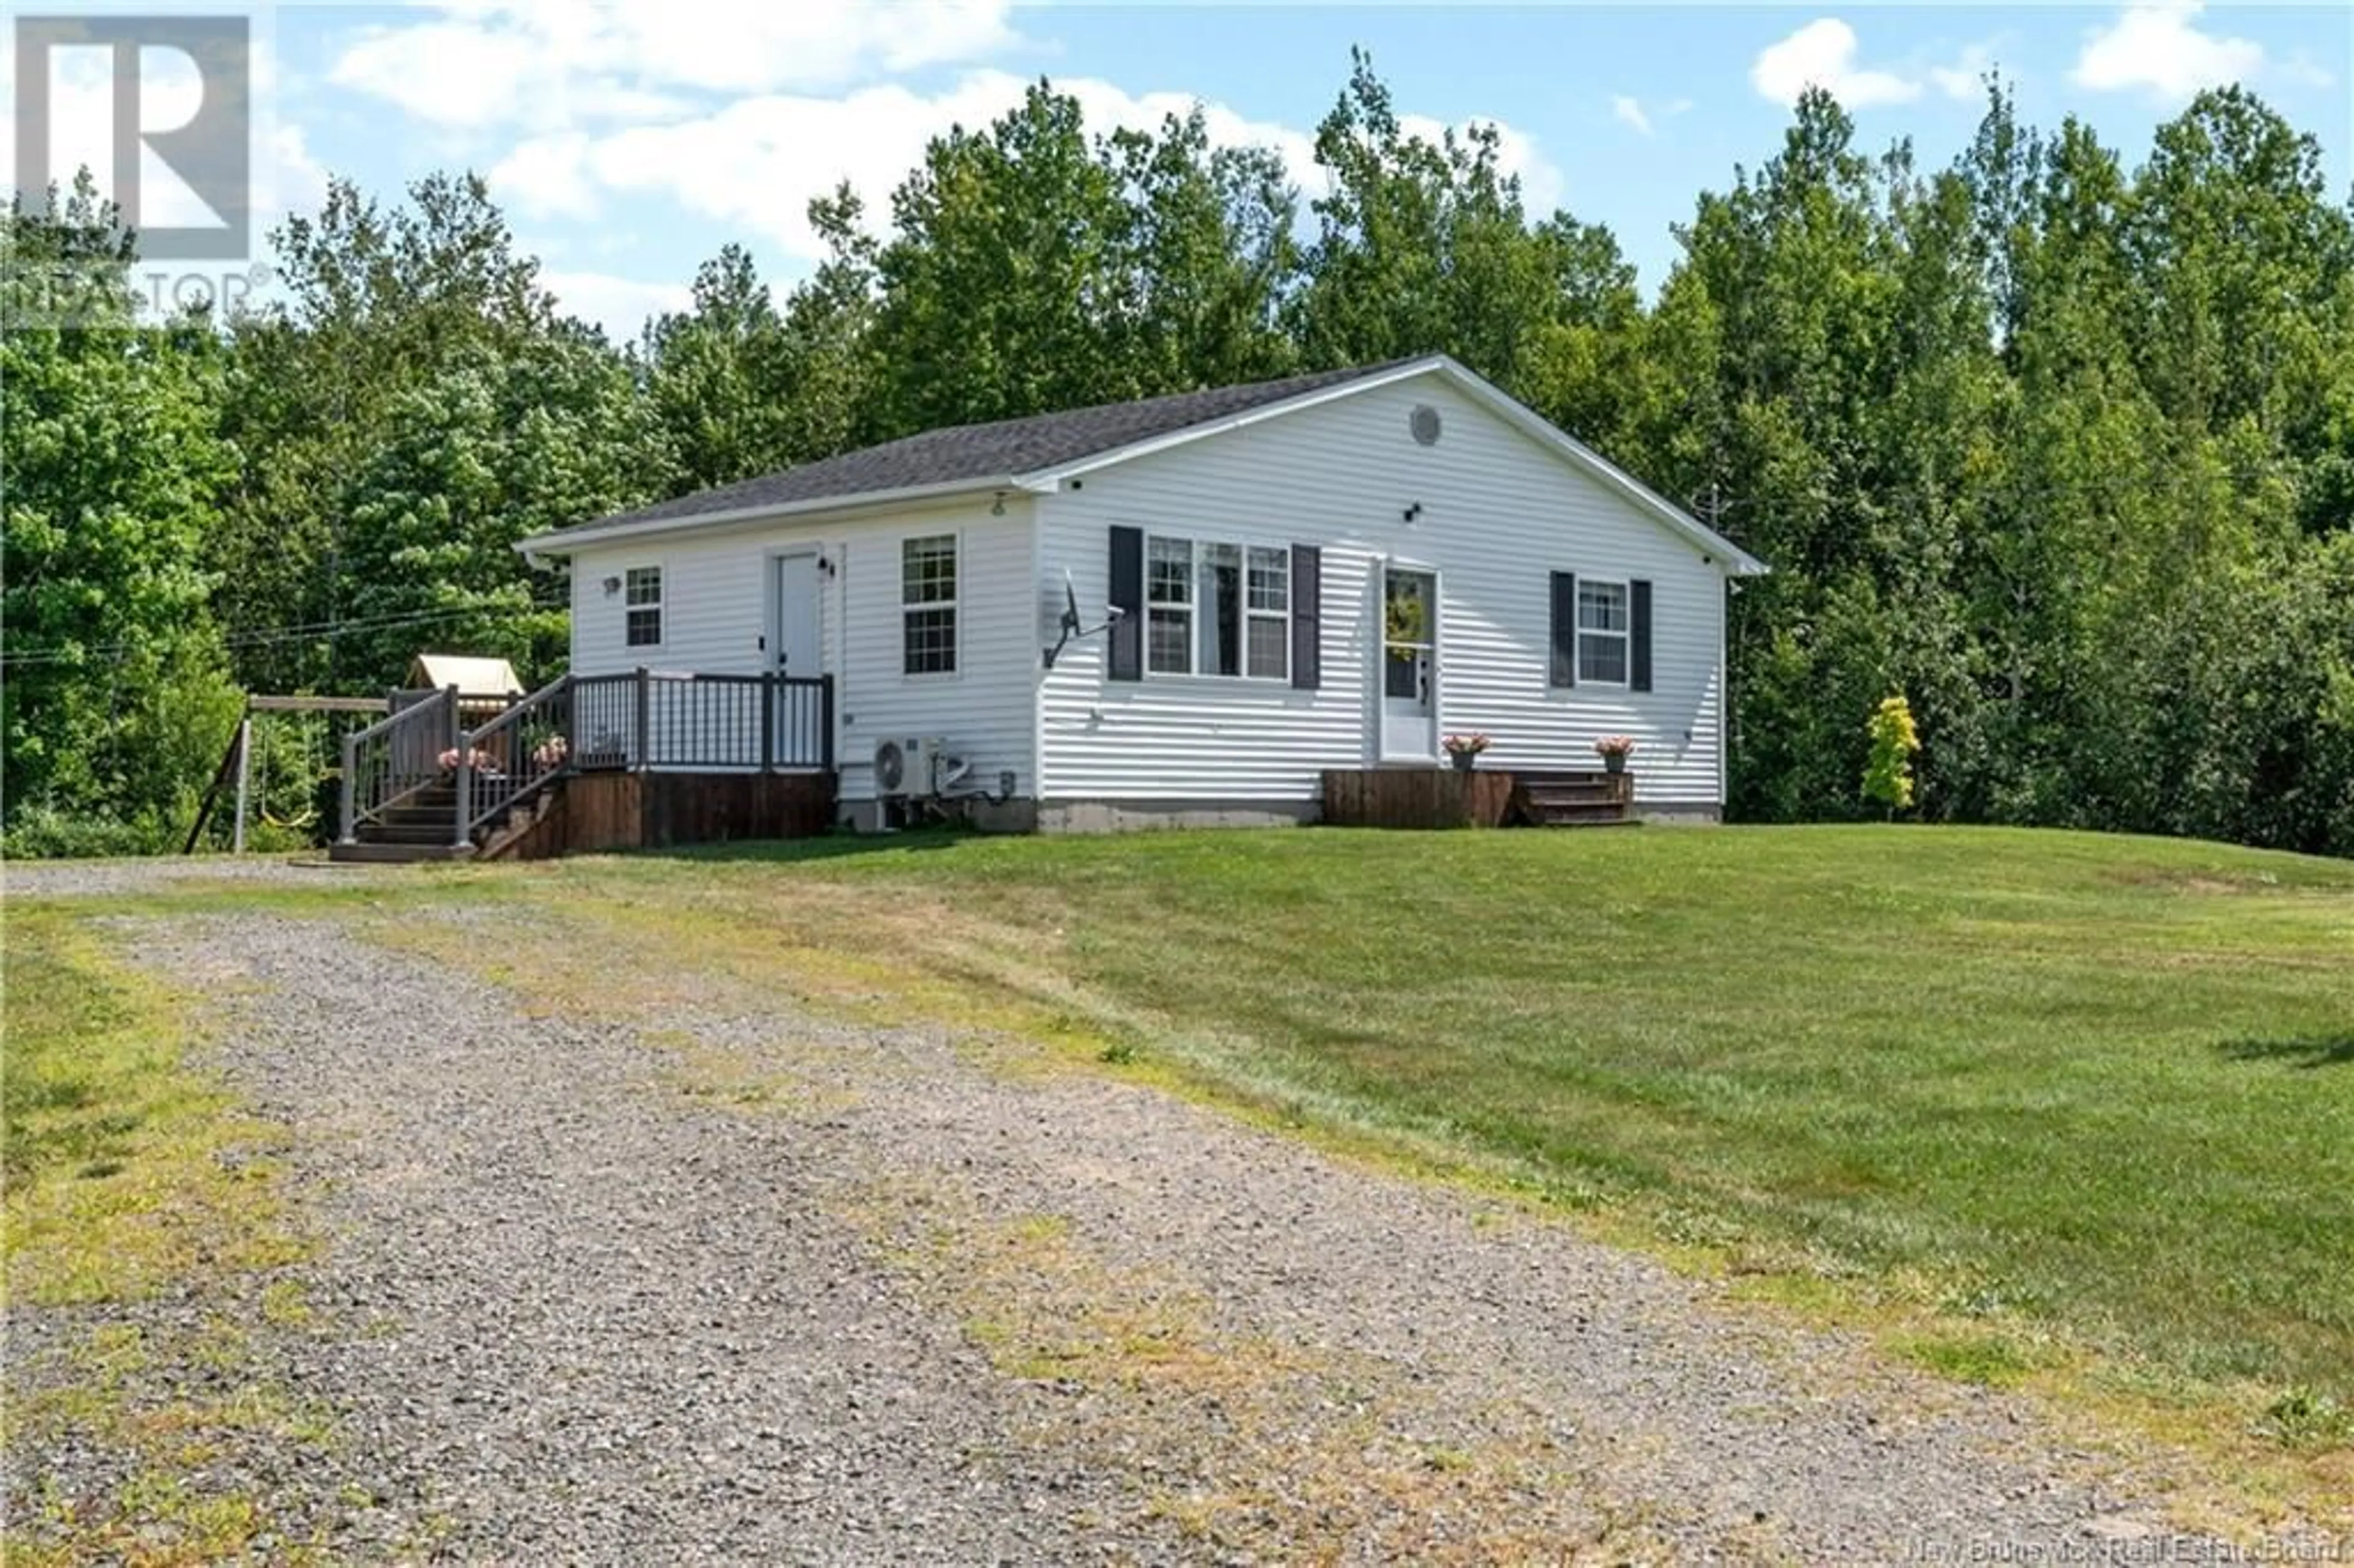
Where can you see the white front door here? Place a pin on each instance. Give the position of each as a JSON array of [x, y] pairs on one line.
[[1409, 675], [794, 652]]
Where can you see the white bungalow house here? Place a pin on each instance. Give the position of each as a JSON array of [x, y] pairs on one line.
[[1334, 572]]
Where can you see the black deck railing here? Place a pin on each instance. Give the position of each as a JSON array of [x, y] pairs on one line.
[[643, 720], [649, 719]]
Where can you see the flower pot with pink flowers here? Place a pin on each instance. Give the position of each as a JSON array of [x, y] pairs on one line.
[[1614, 750], [1464, 750]]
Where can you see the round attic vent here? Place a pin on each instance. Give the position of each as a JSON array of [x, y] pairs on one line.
[[1424, 423]]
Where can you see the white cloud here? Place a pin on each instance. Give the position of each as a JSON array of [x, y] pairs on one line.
[[754, 163], [548, 176], [2153, 46], [553, 63], [291, 179], [1645, 118], [1823, 54], [620, 305], [1964, 79]]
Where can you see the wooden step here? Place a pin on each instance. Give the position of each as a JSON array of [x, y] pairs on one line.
[[1565, 776], [1580, 814], [405, 834], [1572, 794], [395, 853]]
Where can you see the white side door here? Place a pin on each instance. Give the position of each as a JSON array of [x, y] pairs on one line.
[[794, 651]]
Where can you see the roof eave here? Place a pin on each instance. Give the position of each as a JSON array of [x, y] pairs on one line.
[[567, 541]]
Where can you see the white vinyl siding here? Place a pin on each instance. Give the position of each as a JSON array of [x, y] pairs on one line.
[[716, 609], [1499, 514]]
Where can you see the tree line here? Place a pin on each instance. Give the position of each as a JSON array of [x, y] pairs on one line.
[[2061, 450]]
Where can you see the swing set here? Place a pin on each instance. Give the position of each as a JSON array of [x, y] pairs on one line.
[[250, 742]]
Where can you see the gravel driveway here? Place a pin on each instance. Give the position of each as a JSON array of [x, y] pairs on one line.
[[756, 1286]]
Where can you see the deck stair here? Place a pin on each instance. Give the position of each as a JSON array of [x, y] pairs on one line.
[[420, 826], [401, 804], [444, 777], [1589, 800]]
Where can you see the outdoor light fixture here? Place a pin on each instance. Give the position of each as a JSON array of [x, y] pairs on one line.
[[825, 564], [997, 507], [613, 586]]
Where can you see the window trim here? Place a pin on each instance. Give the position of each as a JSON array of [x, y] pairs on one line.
[[1625, 634], [1190, 608], [953, 604], [660, 607]]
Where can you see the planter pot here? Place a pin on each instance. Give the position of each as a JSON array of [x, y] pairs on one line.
[[1463, 760], [1614, 764]]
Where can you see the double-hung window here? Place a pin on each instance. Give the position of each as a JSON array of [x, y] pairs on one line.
[[927, 605], [1266, 622], [1601, 628], [1169, 606], [1215, 609], [641, 607]]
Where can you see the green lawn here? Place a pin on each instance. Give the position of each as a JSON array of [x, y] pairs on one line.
[[2040, 1092], [2099, 1083]]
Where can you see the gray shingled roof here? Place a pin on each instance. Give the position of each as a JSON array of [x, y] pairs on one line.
[[1001, 450]]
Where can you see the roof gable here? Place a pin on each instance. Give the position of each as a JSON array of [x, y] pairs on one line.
[[1041, 451], [999, 452]]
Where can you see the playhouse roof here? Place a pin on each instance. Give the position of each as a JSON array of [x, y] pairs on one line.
[[473, 675]]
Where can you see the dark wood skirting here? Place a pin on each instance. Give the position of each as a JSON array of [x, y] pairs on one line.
[[1416, 798], [595, 812]]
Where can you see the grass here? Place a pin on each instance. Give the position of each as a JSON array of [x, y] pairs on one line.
[[130, 1175], [126, 1172], [2066, 1111], [2096, 1084]]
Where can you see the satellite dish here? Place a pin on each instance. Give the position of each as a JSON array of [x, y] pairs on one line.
[[1070, 623]]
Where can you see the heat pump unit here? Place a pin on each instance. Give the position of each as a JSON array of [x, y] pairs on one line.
[[907, 769]]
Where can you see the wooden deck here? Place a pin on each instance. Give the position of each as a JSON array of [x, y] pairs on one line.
[[1416, 798], [597, 812], [641, 760], [1450, 798]]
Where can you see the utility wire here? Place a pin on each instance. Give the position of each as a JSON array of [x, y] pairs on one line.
[[277, 634]]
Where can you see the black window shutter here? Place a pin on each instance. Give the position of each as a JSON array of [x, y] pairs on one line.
[[1307, 617], [1128, 598], [1564, 631], [1639, 635]]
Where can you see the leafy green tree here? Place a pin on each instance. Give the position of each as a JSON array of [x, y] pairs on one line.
[[376, 306], [1205, 253], [719, 376], [998, 282], [115, 700], [497, 450]]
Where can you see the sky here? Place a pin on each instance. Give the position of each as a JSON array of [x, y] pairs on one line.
[[629, 139]]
